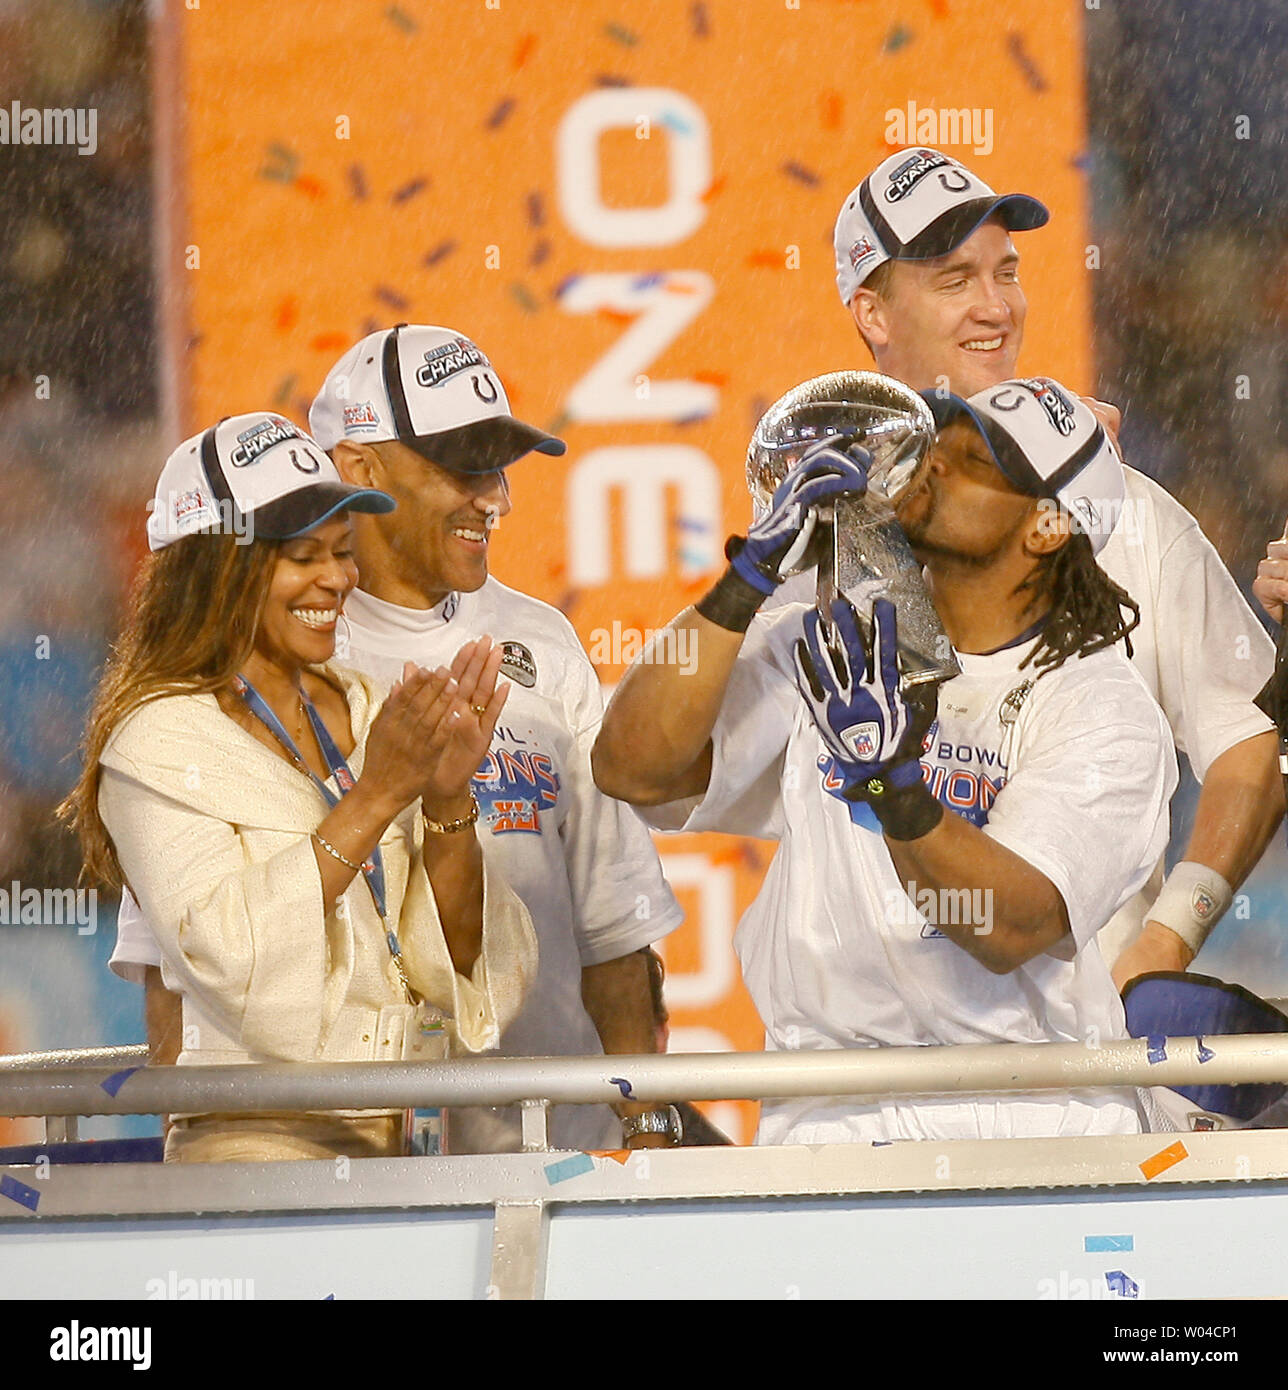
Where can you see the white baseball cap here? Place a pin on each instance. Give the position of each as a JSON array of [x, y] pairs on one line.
[[915, 205], [1047, 444], [431, 389], [257, 475]]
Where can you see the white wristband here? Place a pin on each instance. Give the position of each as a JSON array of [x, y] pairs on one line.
[[1192, 902]]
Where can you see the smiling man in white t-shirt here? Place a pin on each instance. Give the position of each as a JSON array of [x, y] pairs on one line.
[[926, 267], [422, 409], [940, 877]]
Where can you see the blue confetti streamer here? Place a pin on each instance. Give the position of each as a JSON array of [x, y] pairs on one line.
[[572, 1167], [1092, 1244], [1157, 1049], [623, 1086], [1205, 1053], [118, 1079], [675, 122], [19, 1192], [1122, 1284]]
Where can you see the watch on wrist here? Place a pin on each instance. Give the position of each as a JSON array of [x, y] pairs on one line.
[[654, 1122]]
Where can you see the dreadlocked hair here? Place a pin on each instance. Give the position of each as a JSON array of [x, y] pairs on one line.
[[1088, 611]]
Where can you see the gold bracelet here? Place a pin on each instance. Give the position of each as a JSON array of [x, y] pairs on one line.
[[335, 854], [451, 827]]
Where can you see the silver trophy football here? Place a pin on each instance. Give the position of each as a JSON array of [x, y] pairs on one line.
[[859, 546]]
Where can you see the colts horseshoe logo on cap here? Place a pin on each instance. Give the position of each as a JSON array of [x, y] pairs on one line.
[[517, 663]]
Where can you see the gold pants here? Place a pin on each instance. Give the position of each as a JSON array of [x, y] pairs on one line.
[[271, 1137]]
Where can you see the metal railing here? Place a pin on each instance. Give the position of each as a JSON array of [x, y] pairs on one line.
[[107, 1081]]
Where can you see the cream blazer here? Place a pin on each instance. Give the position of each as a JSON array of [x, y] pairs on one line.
[[213, 834]]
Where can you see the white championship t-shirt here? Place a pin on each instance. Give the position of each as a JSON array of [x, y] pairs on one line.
[[1071, 771], [583, 863]]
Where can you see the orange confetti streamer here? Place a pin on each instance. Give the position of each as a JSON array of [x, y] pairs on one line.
[[523, 50], [1163, 1160], [307, 184], [831, 104], [287, 314]]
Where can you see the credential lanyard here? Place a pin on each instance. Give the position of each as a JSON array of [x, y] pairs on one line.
[[373, 868]]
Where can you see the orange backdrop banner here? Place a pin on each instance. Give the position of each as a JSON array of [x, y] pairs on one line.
[[630, 208]]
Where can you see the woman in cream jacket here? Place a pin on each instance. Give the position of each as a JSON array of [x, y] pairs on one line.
[[303, 847]]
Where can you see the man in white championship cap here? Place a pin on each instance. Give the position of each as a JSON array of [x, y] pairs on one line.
[[940, 876], [927, 268], [419, 412]]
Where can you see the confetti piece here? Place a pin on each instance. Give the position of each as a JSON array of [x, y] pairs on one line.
[[692, 523], [315, 188], [1085, 161], [558, 423], [714, 189], [524, 300], [712, 378], [1163, 1160], [444, 248], [648, 280], [1122, 1284], [898, 37], [830, 104], [369, 326], [698, 13], [608, 79], [758, 407], [622, 1085], [674, 121], [769, 260], [499, 113], [408, 190], [536, 206], [682, 287], [622, 34], [283, 166], [566, 284], [614, 315], [357, 181], [1032, 73], [939, 8], [690, 559], [800, 172], [329, 342], [287, 314], [19, 1192], [622, 1156], [330, 1298], [567, 601], [1157, 1050], [1205, 1053], [523, 50], [404, 21], [693, 419], [882, 1143], [540, 253], [1092, 1244], [284, 390], [118, 1079], [389, 296]]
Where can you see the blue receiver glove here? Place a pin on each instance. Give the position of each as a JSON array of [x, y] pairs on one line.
[[855, 702], [777, 542]]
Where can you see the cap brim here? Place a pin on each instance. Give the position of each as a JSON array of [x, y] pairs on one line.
[[308, 507], [1019, 213], [1006, 453], [485, 445]]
